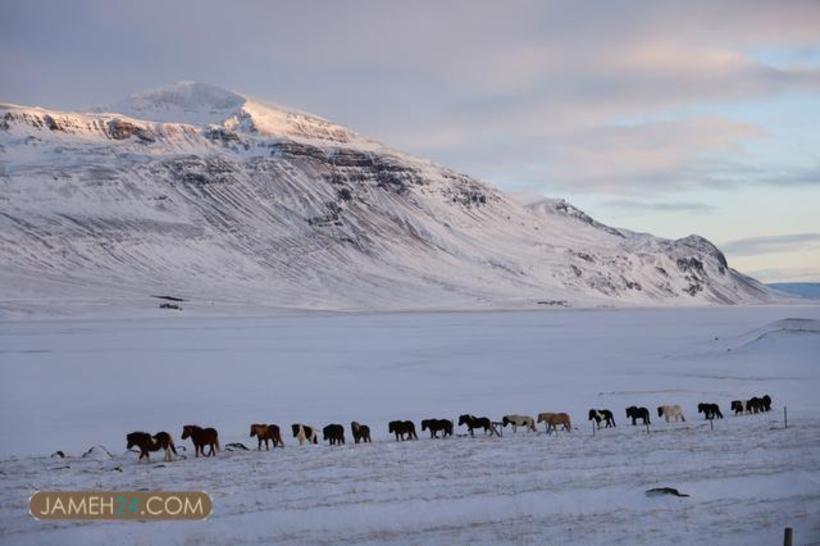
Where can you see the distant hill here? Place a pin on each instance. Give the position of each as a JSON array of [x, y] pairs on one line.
[[809, 290]]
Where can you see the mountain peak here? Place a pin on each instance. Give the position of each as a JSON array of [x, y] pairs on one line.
[[183, 102], [202, 104]]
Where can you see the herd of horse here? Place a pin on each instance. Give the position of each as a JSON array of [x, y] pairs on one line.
[[334, 433]]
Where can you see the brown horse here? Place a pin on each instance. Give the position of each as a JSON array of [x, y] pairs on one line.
[[553, 420], [267, 433], [361, 433], [148, 443], [202, 437]]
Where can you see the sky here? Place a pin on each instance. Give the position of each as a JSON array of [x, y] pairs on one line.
[[665, 117]]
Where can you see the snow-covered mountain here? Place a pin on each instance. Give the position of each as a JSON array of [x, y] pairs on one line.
[[206, 194]]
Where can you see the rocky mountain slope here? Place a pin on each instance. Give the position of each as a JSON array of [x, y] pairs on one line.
[[203, 193]]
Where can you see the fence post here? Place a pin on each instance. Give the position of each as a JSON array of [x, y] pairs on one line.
[[785, 417], [593, 427], [787, 536]]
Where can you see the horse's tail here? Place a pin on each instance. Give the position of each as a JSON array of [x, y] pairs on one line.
[[216, 442], [172, 447]]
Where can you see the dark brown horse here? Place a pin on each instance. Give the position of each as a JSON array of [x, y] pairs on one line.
[[402, 429], [473, 423], [361, 433], [267, 433], [148, 443], [202, 437], [445, 426], [710, 411], [334, 433], [636, 413]]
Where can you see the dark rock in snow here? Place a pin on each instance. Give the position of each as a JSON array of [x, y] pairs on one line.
[[658, 491]]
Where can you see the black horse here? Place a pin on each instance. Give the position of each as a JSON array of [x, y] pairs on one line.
[[754, 405], [445, 426], [767, 402], [473, 423], [602, 415], [635, 413], [710, 411], [402, 429], [334, 433], [737, 407]]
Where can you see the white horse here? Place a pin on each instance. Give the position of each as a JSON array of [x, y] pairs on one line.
[[671, 412], [304, 433], [519, 421]]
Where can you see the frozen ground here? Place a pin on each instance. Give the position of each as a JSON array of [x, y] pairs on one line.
[[72, 384]]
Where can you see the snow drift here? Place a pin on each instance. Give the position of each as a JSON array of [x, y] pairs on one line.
[[204, 193]]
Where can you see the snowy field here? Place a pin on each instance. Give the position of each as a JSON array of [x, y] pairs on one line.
[[72, 384]]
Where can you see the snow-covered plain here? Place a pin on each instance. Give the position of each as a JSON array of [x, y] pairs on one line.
[[73, 384]]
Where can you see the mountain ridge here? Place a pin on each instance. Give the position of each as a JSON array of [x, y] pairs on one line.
[[257, 204]]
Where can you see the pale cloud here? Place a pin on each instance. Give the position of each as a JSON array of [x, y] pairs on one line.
[[634, 206], [787, 274], [753, 246]]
